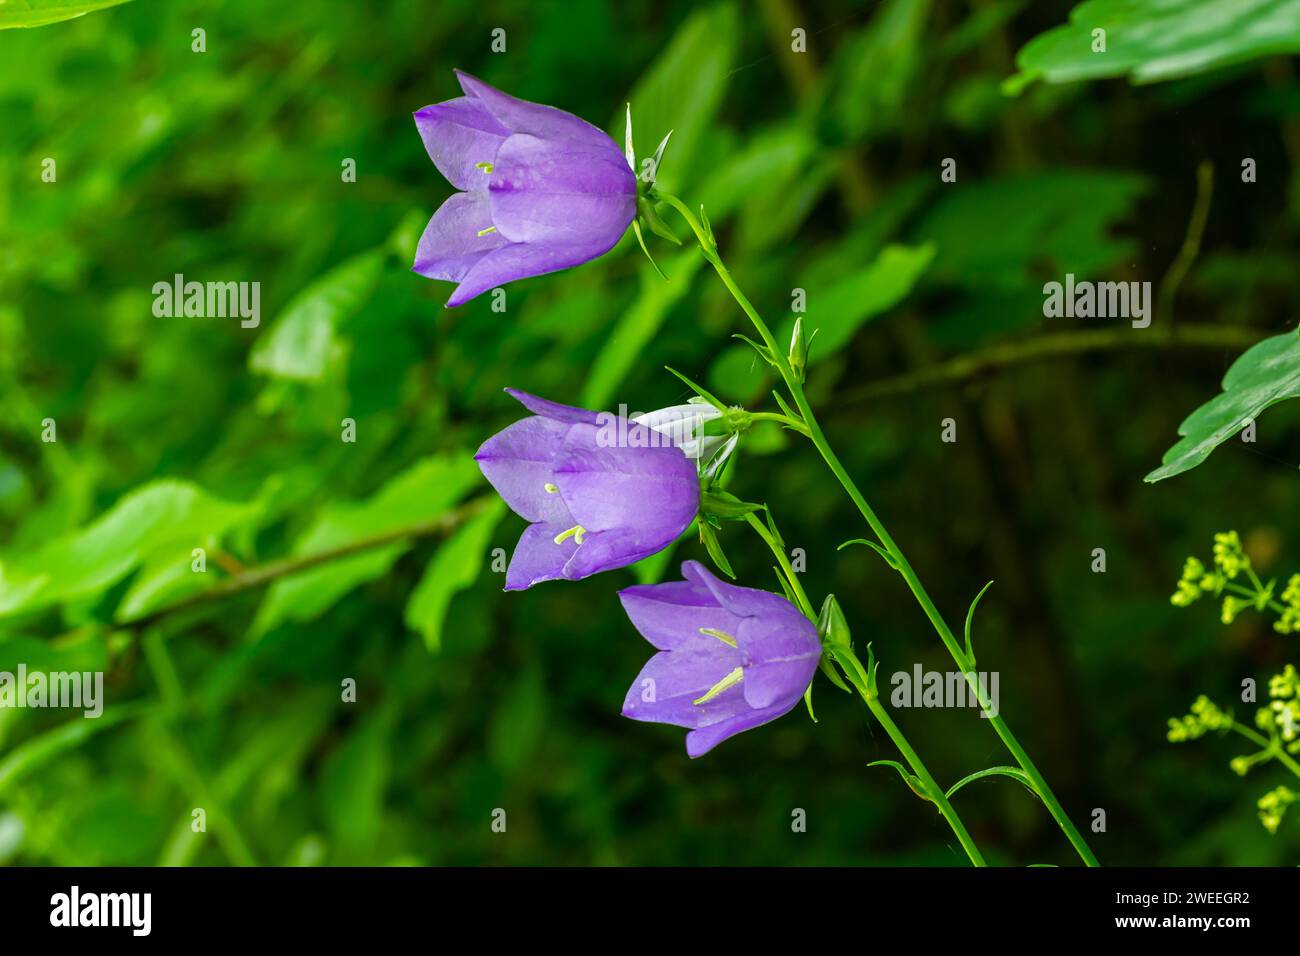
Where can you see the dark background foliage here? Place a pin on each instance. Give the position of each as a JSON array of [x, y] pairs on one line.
[[820, 171]]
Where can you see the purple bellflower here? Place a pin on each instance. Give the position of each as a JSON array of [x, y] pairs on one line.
[[599, 497], [730, 658], [541, 190]]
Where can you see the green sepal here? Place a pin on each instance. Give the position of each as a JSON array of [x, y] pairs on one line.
[[636, 228], [785, 586], [723, 504], [709, 538], [699, 390], [832, 625], [646, 212], [776, 535], [832, 675]]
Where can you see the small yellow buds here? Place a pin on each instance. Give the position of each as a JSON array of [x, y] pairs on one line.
[[1273, 805], [1231, 608], [723, 636], [576, 533], [731, 680], [1228, 555], [1205, 716], [1290, 619]]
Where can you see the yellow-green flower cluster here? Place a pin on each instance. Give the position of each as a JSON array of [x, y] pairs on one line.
[[1289, 622], [1284, 708], [1190, 585], [1272, 807], [1204, 717], [1228, 555]]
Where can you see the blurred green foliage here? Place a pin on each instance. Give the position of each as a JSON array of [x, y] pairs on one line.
[[820, 172]]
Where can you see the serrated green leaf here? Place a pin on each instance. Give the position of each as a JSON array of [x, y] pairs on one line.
[[1265, 374]]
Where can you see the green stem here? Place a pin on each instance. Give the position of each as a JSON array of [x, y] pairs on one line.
[[1272, 747], [859, 679], [794, 384]]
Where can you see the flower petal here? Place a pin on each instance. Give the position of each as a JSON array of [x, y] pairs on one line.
[[743, 602], [518, 462], [651, 494], [452, 245], [703, 739], [554, 410], [674, 680], [671, 614], [521, 116], [519, 260], [553, 191], [537, 557], [458, 134], [780, 658]]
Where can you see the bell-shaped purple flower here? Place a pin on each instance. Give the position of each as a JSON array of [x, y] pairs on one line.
[[601, 492], [730, 658], [542, 190]]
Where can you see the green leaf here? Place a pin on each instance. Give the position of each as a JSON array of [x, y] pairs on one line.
[[627, 343], [911, 779], [1267, 373], [879, 549], [454, 567], [421, 493], [1014, 773], [518, 723], [836, 312], [1002, 235], [38, 13], [970, 617], [37, 751], [301, 343], [354, 780], [1149, 42], [163, 520]]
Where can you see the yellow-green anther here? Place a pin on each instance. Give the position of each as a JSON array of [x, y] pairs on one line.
[[723, 636], [486, 167], [484, 232], [576, 533], [550, 488], [731, 680]]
